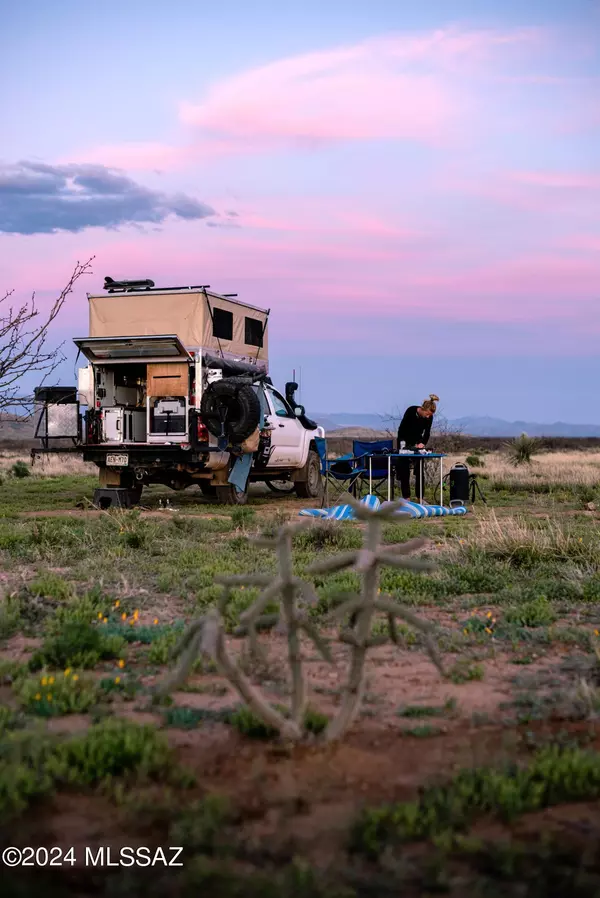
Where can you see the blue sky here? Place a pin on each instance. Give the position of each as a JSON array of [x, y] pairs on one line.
[[416, 186]]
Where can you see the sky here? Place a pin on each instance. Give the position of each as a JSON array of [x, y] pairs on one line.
[[413, 189]]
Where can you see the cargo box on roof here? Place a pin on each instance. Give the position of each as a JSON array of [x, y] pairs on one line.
[[201, 319]]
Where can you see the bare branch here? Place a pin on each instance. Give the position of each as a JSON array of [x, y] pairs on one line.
[[24, 348]]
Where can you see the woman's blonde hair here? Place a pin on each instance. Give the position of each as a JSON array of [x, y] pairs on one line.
[[430, 404]]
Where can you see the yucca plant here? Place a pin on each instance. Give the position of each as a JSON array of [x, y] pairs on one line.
[[522, 449]]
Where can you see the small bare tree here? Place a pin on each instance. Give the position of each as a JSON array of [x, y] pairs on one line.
[[24, 348]]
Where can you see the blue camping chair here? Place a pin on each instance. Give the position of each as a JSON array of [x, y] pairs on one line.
[[375, 453], [340, 474]]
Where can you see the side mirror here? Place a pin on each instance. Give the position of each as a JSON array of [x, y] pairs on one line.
[[299, 411]]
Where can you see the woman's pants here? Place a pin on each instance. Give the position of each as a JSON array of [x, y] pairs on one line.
[[404, 467]]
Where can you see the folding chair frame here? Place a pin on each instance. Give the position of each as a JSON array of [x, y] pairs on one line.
[[342, 482]]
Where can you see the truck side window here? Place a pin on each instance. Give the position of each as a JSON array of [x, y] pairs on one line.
[[222, 324], [282, 409]]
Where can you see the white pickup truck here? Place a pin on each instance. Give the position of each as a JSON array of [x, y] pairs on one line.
[[176, 390]]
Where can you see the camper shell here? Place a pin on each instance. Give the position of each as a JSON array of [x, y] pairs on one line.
[[153, 358]]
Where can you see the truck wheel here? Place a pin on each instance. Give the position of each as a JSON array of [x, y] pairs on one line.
[[311, 486], [280, 486], [207, 489], [229, 495], [238, 402]]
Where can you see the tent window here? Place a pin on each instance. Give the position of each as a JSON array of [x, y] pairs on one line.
[[222, 324], [254, 332]]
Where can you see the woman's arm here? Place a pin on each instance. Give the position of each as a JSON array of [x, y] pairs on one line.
[[427, 430]]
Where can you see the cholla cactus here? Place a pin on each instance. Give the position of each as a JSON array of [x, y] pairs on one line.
[[206, 636], [368, 561]]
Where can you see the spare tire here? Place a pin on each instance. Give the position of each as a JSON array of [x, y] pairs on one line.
[[234, 401]]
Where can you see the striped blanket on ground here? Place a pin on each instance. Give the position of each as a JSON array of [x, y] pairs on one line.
[[411, 509]]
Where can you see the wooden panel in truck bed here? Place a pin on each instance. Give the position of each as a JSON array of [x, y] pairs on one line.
[[168, 379]]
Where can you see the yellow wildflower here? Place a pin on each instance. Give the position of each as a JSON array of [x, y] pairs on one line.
[[155, 621], [123, 616], [117, 603], [50, 681], [121, 663], [44, 681], [99, 615], [49, 696], [75, 678], [132, 622], [37, 696], [67, 671], [489, 614], [136, 614], [596, 632], [487, 630], [117, 680], [465, 631]]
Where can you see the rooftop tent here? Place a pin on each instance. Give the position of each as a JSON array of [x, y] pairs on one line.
[[200, 319]]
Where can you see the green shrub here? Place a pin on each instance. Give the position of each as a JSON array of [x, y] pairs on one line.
[[554, 775], [50, 586], [54, 694], [114, 748], [522, 449], [21, 469], [473, 461], [247, 723], [536, 613], [201, 829], [77, 644]]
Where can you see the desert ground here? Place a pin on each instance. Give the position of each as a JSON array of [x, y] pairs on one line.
[[479, 779]]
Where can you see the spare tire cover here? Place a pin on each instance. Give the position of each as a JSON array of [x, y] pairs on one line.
[[237, 403]]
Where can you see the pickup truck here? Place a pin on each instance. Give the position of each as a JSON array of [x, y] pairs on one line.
[[162, 412]]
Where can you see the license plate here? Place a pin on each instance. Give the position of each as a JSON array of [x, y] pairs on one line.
[[117, 461]]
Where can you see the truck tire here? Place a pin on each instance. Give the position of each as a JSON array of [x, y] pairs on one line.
[[229, 495], [310, 486], [238, 402]]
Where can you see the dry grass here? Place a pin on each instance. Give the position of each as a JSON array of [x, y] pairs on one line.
[[47, 465], [566, 469], [519, 537]]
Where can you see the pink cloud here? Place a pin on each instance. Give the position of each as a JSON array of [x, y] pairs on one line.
[[416, 87], [384, 88]]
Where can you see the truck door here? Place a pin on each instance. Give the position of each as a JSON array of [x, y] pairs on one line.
[[287, 434]]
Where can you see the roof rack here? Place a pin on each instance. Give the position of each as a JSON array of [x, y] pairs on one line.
[[113, 286]]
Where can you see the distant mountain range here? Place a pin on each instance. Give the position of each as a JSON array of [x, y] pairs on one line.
[[472, 425]]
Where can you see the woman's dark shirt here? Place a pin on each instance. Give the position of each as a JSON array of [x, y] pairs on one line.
[[414, 429]]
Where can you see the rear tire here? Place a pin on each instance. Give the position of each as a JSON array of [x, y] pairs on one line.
[[311, 487], [229, 495]]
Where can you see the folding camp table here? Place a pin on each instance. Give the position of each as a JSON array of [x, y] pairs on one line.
[[408, 455]]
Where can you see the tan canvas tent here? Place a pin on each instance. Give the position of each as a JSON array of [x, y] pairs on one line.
[[200, 319]]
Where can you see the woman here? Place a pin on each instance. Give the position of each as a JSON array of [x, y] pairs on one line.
[[413, 434]]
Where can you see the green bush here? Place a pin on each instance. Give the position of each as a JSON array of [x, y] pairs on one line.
[[21, 469], [522, 449], [554, 775], [77, 644], [536, 613], [56, 693], [473, 461]]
